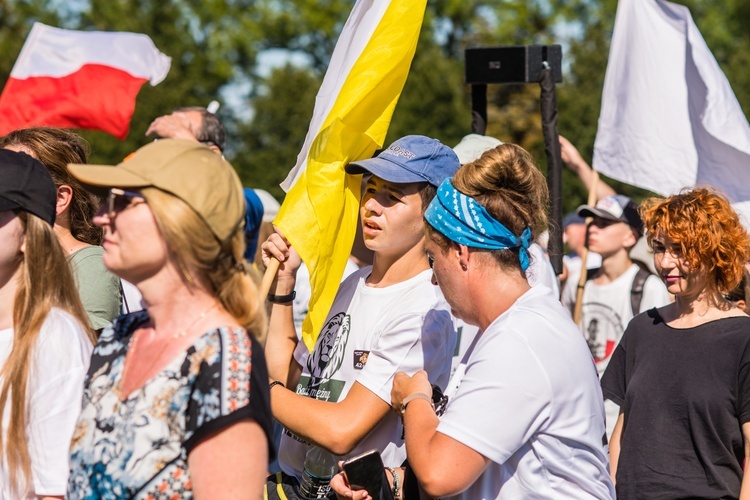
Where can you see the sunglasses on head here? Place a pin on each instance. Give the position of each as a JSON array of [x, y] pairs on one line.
[[119, 199]]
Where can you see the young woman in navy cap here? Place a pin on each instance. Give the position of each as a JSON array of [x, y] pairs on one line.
[[44, 345]]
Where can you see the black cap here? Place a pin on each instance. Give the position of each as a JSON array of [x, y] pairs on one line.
[[616, 208], [25, 184]]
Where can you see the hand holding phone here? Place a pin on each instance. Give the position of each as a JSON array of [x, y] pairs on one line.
[[366, 472]]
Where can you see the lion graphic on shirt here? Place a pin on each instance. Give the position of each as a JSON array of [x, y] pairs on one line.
[[328, 355]]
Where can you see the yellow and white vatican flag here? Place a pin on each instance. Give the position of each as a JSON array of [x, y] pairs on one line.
[[669, 118], [353, 109]]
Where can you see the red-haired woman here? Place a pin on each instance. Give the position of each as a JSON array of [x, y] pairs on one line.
[[681, 373]]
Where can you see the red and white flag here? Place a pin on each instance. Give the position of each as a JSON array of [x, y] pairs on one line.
[[79, 79]]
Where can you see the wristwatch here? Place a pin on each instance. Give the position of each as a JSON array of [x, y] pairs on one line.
[[411, 397]]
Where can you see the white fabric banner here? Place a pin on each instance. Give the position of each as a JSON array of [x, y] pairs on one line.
[[669, 117]]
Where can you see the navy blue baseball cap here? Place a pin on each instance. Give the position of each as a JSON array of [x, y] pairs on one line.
[[572, 218], [26, 184], [414, 158]]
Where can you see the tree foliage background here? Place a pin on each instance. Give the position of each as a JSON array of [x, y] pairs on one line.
[[215, 47]]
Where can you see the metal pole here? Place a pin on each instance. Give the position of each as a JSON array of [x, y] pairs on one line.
[[554, 165], [478, 109]]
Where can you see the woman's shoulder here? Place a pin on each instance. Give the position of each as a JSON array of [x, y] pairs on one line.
[[89, 253], [62, 342], [63, 329], [227, 343], [88, 265], [225, 360]]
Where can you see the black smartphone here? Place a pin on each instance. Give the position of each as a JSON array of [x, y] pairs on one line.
[[366, 472]]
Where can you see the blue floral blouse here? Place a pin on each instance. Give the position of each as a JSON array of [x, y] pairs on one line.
[[138, 448]]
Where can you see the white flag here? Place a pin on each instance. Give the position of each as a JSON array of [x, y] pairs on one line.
[[669, 118]]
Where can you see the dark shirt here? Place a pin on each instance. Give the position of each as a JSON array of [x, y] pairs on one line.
[[139, 448], [685, 395], [253, 220]]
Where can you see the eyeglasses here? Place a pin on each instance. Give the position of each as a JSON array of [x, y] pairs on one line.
[[118, 200]]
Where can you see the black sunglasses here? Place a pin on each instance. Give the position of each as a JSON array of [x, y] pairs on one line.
[[119, 199]]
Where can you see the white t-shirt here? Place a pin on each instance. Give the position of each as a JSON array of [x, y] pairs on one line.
[[303, 291], [527, 397], [540, 272], [370, 334], [132, 300], [55, 386], [573, 262], [606, 312]]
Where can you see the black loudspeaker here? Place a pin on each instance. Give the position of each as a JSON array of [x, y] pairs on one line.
[[512, 64]]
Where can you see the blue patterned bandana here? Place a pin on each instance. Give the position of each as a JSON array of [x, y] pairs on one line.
[[462, 220]]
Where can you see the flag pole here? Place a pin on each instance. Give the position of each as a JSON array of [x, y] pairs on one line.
[[585, 254], [268, 276]]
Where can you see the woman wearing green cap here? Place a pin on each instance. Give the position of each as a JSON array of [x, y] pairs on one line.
[[44, 345], [176, 400]]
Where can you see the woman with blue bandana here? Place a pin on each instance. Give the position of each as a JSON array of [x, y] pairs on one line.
[[523, 416]]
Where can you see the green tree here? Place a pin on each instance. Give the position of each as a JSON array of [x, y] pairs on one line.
[[16, 18], [209, 46], [214, 44], [433, 102], [273, 138]]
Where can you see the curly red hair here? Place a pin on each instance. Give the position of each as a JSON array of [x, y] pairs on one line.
[[708, 230]]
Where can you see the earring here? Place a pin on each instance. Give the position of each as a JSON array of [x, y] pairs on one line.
[[185, 273], [463, 266]]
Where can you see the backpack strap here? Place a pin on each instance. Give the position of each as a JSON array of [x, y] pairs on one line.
[[592, 273], [636, 289]]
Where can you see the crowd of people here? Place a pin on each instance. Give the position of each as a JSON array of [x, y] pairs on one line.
[[138, 359]]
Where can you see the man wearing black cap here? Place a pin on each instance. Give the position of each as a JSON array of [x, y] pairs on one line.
[[619, 289]]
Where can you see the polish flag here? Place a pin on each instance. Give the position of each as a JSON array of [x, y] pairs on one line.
[[79, 79]]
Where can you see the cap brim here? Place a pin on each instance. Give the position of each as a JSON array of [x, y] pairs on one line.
[[385, 169], [589, 211], [6, 204], [107, 176]]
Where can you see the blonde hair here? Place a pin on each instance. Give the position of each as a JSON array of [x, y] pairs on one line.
[[45, 281], [194, 246]]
